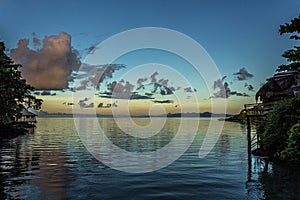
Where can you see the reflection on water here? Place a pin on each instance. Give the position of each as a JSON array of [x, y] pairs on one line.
[[52, 163]]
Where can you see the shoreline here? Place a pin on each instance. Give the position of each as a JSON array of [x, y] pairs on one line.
[[11, 131]]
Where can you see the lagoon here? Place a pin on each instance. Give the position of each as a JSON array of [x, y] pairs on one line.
[[53, 163]]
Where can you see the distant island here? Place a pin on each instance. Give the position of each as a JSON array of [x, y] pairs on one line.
[[169, 115]]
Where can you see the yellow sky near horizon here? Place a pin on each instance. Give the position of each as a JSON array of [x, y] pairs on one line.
[[59, 104]]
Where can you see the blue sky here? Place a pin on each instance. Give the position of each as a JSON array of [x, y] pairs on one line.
[[236, 33]]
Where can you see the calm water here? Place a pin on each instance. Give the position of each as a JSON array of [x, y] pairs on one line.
[[52, 163]]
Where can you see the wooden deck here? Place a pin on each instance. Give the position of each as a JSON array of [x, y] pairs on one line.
[[255, 114]]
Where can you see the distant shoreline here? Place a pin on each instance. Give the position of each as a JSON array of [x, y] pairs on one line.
[[175, 115]]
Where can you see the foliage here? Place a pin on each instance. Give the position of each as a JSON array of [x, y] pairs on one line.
[[292, 151], [15, 93], [241, 117], [274, 138], [292, 55]]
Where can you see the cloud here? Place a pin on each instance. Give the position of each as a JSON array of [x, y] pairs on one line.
[[109, 105], [50, 66], [163, 82], [47, 93], [140, 83], [118, 90], [82, 103], [69, 103], [92, 49], [153, 77], [250, 88], [189, 89], [162, 89], [94, 75], [145, 88], [131, 96], [239, 94], [35, 40], [120, 87], [44, 93], [163, 101], [224, 90], [148, 94], [243, 74]]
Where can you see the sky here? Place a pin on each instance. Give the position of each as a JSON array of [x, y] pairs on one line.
[[56, 40]]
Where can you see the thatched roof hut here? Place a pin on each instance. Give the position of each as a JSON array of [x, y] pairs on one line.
[[279, 86], [27, 116]]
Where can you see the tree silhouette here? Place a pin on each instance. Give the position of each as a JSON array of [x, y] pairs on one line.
[[15, 93], [292, 55]]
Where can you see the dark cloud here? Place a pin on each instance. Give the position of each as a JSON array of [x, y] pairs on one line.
[[250, 88], [109, 105], [140, 83], [239, 94], [150, 87], [119, 90], [94, 75], [163, 101], [105, 93], [189, 89], [100, 105], [92, 49], [224, 90], [50, 66], [163, 82], [153, 77], [47, 93], [164, 90], [124, 90], [242, 94], [148, 94], [132, 96], [44, 93], [243, 74], [69, 103], [119, 87], [82, 103]]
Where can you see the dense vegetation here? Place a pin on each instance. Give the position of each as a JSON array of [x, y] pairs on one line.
[[280, 134], [15, 93]]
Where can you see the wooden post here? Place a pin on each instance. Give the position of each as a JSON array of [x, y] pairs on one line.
[[249, 147], [249, 135]]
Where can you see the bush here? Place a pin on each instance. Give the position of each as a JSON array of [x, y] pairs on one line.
[[275, 137], [292, 152]]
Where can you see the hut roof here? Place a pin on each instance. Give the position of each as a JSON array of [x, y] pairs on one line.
[[279, 86], [25, 112]]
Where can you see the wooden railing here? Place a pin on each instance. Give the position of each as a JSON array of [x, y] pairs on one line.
[[255, 113]]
